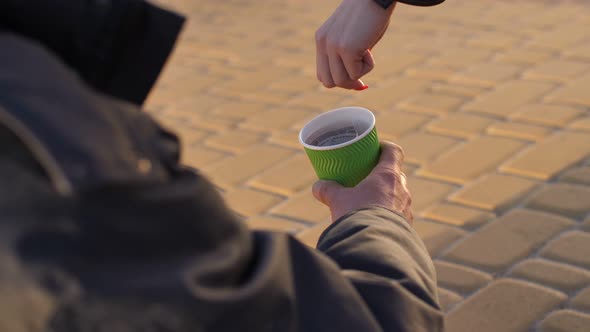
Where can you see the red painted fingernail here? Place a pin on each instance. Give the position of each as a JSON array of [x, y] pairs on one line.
[[364, 87]]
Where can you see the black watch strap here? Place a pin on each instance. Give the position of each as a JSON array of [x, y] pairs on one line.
[[385, 3]]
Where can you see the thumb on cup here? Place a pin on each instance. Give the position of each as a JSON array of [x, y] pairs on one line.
[[324, 191]]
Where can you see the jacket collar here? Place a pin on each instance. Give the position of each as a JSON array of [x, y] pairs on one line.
[[82, 139]]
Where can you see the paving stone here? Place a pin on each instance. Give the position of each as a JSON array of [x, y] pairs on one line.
[[209, 55], [432, 103], [549, 21], [297, 125], [198, 156], [547, 115], [277, 119], [262, 96], [460, 57], [550, 156], [524, 56], [426, 192], [512, 237], [288, 177], [446, 13], [293, 83], [420, 27], [248, 83], [582, 124], [318, 99], [519, 130], [311, 235], [165, 120], [288, 138], [580, 52], [457, 89], [437, 237], [239, 109], [494, 192], [392, 66], [565, 321], [235, 141], [467, 162], [448, 299], [500, 307], [409, 169], [248, 202], [486, 74], [301, 59], [558, 70], [457, 215], [494, 41], [397, 64], [421, 148], [234, 170], [459, 278], [188, 135], [211, 122], [215, 68], [167, 94], [562, 277], [436, 45], [582, 301], [393, 124], [508, 14], [574, 93], [564, 199], [303, 206], [433, 72], [275, 224], [460, 125], [386, 94], [508, 97], [557, 39], [572, 247]]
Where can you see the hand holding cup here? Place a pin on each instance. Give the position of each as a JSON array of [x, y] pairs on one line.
[[385, 187]]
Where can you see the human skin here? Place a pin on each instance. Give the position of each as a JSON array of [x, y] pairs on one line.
[[345, 40]]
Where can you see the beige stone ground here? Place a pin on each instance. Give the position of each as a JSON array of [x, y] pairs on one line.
[[490, 99]]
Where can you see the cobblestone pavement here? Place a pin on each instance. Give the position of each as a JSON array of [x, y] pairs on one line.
[[490, 99]]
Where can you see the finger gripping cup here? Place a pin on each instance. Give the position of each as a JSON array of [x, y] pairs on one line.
[[342, 144]]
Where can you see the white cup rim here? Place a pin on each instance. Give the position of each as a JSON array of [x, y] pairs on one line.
[[331, 113]]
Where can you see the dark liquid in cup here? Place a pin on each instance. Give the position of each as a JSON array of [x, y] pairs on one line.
[[333, 137]]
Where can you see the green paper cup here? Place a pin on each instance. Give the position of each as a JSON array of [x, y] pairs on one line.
[[342, 144]]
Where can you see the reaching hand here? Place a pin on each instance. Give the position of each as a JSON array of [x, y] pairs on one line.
[[345, 40], [385, 186]]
